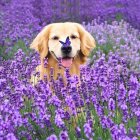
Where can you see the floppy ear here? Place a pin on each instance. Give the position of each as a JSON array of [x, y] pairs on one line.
[[87, 41], [40, 43]]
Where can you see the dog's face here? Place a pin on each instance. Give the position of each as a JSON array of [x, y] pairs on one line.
[[64, 41], [58, 33]]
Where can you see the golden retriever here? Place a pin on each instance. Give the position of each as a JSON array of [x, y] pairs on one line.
[[49, 45]]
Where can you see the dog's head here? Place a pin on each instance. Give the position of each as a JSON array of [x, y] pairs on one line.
[[64, 41]]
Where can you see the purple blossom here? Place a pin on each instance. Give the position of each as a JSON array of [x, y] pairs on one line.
[[58, 121], [52, 137], [88, 131], [111, 104], [54, 100], [11, 136], [78, 132], [63, 135]]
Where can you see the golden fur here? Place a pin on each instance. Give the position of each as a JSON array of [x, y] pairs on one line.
[[44, 43]]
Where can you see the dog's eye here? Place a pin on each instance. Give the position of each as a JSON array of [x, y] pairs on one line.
[[55, 38], [73, 37]]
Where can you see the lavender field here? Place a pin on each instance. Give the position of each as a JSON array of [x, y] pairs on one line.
[[104, 106]]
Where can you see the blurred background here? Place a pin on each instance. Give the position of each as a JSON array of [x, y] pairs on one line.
[[21, 20]]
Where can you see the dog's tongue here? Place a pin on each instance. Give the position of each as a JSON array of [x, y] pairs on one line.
[[66, 62]]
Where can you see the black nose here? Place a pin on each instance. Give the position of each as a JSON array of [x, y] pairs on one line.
[[66, 50]]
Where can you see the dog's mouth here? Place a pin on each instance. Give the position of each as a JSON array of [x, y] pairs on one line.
[[66, 61]]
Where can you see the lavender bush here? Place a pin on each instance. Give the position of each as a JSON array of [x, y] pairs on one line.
[[18, 22], [118, 37], [109, 10], [105, 105]]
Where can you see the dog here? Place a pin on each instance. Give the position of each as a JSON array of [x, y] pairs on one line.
[[66, 43]]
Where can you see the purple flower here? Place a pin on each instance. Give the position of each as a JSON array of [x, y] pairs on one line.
[[63, 135], [58, 121], [124, 107], [54, 100], [52, 137], [88, 131], [106, 122], [133, 82], [11, 136], [78, 132], [111, 104], [114, 132], [137, 113], [132, 95]]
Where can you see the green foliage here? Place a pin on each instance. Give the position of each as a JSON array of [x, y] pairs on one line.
[[8, 52], [105, 49], [119, 17]]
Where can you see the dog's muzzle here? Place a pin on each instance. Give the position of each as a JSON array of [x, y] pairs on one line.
[[66, 47], [65, 60], [66, 50]]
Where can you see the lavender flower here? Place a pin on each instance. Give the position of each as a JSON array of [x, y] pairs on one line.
[[58, 121], [111, 104], [52, 137], [88, 131], [78, 132], [63, 135], [11, 136]]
